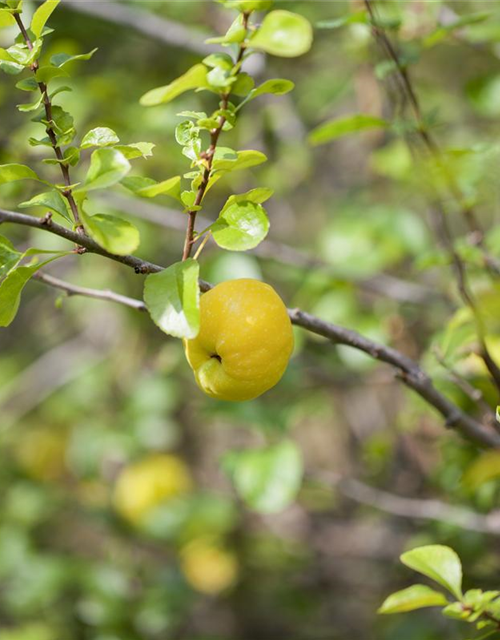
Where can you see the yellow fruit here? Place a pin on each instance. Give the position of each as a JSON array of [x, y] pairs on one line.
[[42, 452], [208, 567], [146, 484], [244, 343]]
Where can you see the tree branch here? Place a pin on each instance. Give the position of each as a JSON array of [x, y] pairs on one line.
[[418, 509], [445, 233], [409, 371], [74, 290], [209, 156], [47, 103]]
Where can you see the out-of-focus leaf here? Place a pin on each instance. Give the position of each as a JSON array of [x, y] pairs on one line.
[[415, 597], [267, 479], [485, 467], [13, 172], [62, 59], [195, 78], [345, 126], [283, 34]]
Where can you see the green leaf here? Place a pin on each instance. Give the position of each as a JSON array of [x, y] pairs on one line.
[[13, 172], [27, 84], [107, 167], [359, 17], [267, 479], [136, 150], [62, 59], [48, 73], [345, 126], [6, 19], [242, 224], [41, 15], [52, 200], [100, 137], [283, 34], [111, 233], [242, 160], [26, 108], [11, 289], [234, 35], [276, 86], [9, 256], [147, 188], [242, 85], [221, 60], [173, 299], [416, 597], [248, 5], [439, 563], [195, 78], [484, 469], [443, 31]]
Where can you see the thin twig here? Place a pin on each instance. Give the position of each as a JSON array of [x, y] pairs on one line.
[[418, 509], [445, 233], [74, 290], [47, 103], [209, 159]]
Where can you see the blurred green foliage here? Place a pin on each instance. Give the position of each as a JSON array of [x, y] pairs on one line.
[[88, 389]]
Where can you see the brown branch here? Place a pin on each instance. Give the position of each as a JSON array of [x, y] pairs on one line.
[[413, 508], [209, 159], [422, 129], [442, 221], [409, 373], [74, 290], [47, 103]]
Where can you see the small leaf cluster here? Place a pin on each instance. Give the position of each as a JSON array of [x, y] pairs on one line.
[[442, 565], [108, 164], [172, 297]]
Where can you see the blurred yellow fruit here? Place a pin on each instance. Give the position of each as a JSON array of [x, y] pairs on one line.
[[208, 567], [146, 484], [244, 343], [41, 453]]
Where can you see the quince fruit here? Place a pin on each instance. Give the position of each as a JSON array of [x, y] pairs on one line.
[[245, 340]]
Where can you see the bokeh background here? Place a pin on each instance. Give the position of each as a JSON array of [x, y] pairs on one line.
[[97, 406]]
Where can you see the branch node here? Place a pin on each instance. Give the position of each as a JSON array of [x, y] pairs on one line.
[[47, 219]]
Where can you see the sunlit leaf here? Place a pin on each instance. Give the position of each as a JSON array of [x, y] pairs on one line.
[[195, 78], [13, 172], [439, 563], [415, 597], [114, 234], [41, 15], [173, 299], [52, 200], [107, 167], [100, 137]]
